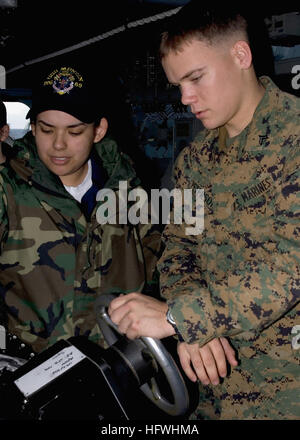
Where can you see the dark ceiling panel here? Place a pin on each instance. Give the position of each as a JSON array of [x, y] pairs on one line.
[[39, 28]]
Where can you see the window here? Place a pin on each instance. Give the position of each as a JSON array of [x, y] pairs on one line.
[[16, 118]]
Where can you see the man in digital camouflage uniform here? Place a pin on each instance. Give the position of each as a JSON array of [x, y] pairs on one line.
[[56, 257], [240, 277]]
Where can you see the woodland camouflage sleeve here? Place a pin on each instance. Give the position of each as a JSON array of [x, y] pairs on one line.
[[150, 236], [251, 296]]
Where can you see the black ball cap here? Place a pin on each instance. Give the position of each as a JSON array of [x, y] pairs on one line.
[[67, 90]]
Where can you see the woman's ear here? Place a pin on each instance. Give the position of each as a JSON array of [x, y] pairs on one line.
[[242, 54], [101, 130], [32, 126]]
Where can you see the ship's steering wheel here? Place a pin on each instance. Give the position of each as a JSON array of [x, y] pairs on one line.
[[158, 352]]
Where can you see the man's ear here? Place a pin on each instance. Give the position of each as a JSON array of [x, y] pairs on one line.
[[242, 54], [4, 133], [101, 130]]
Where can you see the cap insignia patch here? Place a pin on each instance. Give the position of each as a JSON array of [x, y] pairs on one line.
[[64, 80]]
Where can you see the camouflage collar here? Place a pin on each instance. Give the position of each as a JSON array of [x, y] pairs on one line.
[[266, 106], [117, 164]]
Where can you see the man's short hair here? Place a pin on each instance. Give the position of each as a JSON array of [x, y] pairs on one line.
[[205, 23]]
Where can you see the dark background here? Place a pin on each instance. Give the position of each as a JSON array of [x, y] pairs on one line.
[[36, 29]]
